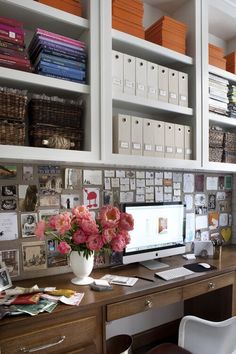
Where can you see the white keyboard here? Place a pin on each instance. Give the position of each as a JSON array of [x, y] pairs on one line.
[[174, 273]]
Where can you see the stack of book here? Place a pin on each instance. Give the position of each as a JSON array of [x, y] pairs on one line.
[[218, 90], [71, 6], [169, 33], [231, 62], [127, 16], [216, 56], [232, 101], [57, 56], [12, 45]]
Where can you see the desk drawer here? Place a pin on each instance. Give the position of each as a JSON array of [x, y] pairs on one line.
[[143, 303], [205, 286], [70, 337]]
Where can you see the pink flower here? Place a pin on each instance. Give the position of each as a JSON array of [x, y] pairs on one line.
[[89, 226], [62, 222], [52, 222], [109, 216], [63, 247], [94, 242], [126, 222], [79, 237], [120, 241], [40, 229], [108, 235], [81, 212]]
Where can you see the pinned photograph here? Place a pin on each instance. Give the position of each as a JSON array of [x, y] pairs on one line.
[[92, 177], [10, 259], [28, 223], [34, 255], [45, 214], [7, 171], [213, 220], [8, 204], [28, 173], [8, 191], [212, 201], [55, 258], [28, 197], [69, 201], [5, 280], [8, 226], [73, 178]]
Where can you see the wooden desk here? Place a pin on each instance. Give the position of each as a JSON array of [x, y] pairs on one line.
[[84, 327]]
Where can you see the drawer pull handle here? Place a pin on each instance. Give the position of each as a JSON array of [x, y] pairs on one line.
[[42, 347], [148, 304], [211, 285]]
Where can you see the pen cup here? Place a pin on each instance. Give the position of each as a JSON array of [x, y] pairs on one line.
[[217, 252]]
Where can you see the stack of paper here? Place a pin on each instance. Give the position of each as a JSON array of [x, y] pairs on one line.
[[231, 62], [216, 56], [218, 99], [12, 45], [169, 33], [232, 101], [127, 16]]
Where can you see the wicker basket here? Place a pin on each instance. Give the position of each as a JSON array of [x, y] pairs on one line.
[[40, 134], [13, 104], [55, 113], [12, 133], [216, 138], [229, 156], [215, 154], [230, 142]]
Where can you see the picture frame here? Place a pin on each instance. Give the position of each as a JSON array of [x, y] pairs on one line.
[[5, 279]]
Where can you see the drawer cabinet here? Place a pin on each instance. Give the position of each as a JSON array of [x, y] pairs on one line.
[[205, 286], [77, 336], [142, 303]]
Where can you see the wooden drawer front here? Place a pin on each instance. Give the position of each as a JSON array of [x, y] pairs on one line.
[[68, 337], [208, 285], [143, 303]]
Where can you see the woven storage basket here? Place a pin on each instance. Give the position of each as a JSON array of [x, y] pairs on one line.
[[40, 134], [12, 133], [215, 154], [229, 156], [55, 113], [216, 138], [13, 105], [230, 142]]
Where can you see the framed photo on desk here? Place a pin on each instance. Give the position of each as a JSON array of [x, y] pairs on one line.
[[5, 280]]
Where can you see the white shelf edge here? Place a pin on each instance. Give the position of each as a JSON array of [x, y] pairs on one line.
[[151, 104], [32, 79], [220, 167], [133, 41], [223, 73], [226, 121], [48, 11]]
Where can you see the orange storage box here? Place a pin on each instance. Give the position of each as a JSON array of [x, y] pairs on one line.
[[71, 6], [231, 62]]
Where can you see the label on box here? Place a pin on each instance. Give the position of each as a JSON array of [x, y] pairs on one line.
[[169, 149], [179, 150], [162, 92], [152, 90], [183, 98], [148, 147], [159, 148], [124, 144], [188, 151], [129, 83], [173, 95], [116, 81], [140, 87], [136, 146]]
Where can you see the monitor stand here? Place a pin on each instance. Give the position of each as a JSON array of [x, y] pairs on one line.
[[153, 264]]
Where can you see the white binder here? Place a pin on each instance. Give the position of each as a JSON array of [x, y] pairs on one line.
[[117, 71], [163, 83], [179, 141], [148, 137], [121, 134], [169, 140], [136, 135], [173, 86], [129, 74], [159, 139], [152, 80], [183, 89], [140, 77], [188, 138]]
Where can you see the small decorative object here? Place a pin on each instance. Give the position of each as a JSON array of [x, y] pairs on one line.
[[5, 280], [80, 236]]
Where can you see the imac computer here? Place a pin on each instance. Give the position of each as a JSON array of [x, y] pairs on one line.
[[157, 233]]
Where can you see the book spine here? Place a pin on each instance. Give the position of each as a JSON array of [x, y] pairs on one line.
[[60, 54], [13, 53], [14, 65], [11, 22], [15, 60], [11, 39], [61, 61], [60, 67], [8, 29], [13, 46], [79, 75], [60, 38]]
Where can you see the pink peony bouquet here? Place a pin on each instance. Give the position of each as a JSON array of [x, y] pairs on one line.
[[79, 231]]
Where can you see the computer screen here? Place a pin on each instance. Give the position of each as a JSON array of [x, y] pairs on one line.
[[157, 233]]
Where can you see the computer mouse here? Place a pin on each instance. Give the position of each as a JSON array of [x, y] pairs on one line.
[[205, 265]]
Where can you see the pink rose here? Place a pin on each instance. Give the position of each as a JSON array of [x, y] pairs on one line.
[[40, 229], [81, 212], [109, 216], [126, 222], [79, 237], [108, 235], [62, 223], [89, 226], [63, 247], [94, 242]]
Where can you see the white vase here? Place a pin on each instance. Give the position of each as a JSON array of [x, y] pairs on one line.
[[81, 267]]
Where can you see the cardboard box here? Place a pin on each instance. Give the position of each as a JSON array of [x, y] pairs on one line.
[[71, 6], [126, 26], [231, 62], [219, 63]]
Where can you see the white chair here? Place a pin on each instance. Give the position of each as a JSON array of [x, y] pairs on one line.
[[207, 337]]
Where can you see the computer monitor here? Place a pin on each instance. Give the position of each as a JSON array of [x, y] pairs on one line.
[[157, 233]]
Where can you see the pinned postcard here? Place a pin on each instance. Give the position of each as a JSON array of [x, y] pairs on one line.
[[223, 219], [10, 259], [109, 173], [211, 183], [107, 197], [8, 226], [93, 177], [213, 220], [8, 191], [28, 173], [126, 197], [46, 214], [70, 201], [34, 255], [28, 224], [190, 227], [228, 182], [8, 171], [188, 198], [73, 178], [188, 186], [199, 183], [201, 222], [91, 197], [28, 197]]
